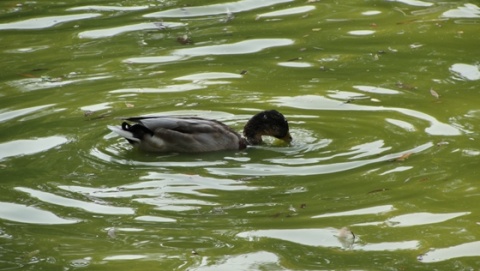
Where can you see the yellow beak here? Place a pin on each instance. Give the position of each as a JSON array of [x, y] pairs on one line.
[[287, 138]]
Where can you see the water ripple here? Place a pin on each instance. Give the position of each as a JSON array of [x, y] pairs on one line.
[[110, 32], [241, 47], [416, 3], [73, 203], [466, 72], [327, 237], [364, 211], [471, 249], [111, 155], [216, 9], [422, 218], [46, 22], [164, 190], [317, 102], [30, 146], [7, 115], [255, 169], [32, 215], [260, 260], [286, 12], [109, 8], [199, 81], [467, 11]]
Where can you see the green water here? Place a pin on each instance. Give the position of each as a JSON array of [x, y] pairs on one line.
[[381, 97]]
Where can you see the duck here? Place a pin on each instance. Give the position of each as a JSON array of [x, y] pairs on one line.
[[189, 134]]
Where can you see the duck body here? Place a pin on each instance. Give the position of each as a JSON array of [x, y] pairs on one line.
[[193, 134]]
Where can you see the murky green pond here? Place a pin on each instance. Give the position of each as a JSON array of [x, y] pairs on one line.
[[382, 98]]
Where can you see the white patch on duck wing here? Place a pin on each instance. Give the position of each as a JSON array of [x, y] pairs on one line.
[[126, 134]]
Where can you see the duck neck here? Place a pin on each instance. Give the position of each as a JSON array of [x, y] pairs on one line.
[[254, 140], [251, 135]]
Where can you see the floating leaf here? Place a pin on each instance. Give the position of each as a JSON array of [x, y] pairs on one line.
[[404, 156], [416, 45], [229, 16], [185, 39], [87, 113], [378, 190], [434, 93]]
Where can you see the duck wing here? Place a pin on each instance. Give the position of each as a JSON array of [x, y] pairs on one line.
[[179, 134]]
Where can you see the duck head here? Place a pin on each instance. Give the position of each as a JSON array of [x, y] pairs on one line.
[[269, 123]]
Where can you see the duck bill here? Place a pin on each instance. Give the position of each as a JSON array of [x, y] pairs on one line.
[[287, 138]]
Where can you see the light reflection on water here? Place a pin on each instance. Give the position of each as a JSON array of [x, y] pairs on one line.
[[30, 146], [285, 12], [11, 114], [314, 102], [46, 22], [32, 215], [68, 202], [326, 238], [217, 9], [471, 249], [252, 169], [466, 71], [466, 11], [109, 8], [167, 192], [260, 260], [110, 32], [241, 47]]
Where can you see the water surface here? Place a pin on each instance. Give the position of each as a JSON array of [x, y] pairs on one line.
[[382, 101]]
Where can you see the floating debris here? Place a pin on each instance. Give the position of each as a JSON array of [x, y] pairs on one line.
[[87, 113], [405, 86], [49, 79], [91, 113], [229, 16], [356, 98], [434, 93], [416, 45], [32, 254], [346, 237], [392, 50], [404, 157], [185, 39], [292, 209], [112, 233], [378, 190], [160, 25], [442, 143]]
